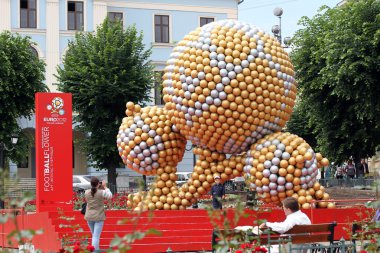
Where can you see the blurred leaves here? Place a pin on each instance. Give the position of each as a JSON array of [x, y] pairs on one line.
[[13, 208]]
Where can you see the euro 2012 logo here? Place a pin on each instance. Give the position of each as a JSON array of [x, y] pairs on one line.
[[56, 106]]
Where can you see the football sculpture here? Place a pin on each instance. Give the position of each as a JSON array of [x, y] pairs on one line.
[[229, 88]]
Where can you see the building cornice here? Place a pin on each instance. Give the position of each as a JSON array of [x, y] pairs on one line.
[[29, 31], [70, 33], [173, 7], [163, 45]]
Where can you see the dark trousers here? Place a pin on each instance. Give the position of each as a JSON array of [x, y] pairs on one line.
[[216, 204], [213, 240]]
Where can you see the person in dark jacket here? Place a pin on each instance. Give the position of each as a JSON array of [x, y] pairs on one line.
[[217, 192], [362, 169]]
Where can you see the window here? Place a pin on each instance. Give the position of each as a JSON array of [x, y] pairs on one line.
[[28, 17], [115, 16], [75, 16], [161, 28], [158, 97], [205, 21]]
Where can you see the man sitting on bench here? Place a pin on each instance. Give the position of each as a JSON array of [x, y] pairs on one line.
[[293, 217]]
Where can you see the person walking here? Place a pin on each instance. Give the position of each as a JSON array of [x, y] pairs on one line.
[[350, 169], [217, 193], [362, 168], [328, 175], [95, 215], [339, 173]]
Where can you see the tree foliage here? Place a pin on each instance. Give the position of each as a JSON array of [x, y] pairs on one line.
[[300, 125], [103, 71], [21, 76], [336, 56]]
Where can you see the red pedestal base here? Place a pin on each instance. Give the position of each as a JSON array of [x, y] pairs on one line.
[[187, 230]]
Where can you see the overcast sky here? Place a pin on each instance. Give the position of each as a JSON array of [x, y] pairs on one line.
[[260, 13]]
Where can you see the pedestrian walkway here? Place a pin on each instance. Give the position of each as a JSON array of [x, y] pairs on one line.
[[360, 183]]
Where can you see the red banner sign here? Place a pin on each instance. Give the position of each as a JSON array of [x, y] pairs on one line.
[[54, 166]]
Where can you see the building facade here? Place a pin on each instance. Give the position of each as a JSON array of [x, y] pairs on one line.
[[51, 24]]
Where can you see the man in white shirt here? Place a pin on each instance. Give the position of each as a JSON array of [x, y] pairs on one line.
[[293, 217]]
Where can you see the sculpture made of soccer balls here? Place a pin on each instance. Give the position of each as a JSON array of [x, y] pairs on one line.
[[227, 85], [229, 88], [283, 165], [147, 140]]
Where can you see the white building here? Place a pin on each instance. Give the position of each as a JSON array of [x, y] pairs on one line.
[[51, 24]]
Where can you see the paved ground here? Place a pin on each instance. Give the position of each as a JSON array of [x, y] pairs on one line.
[[352, 195]]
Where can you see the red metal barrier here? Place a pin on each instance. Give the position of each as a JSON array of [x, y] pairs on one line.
[[192, 225]]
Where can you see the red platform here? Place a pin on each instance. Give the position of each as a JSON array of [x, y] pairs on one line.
[[46, 242], [188, 230]]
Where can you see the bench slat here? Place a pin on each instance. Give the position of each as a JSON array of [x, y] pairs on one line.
[[300, 239], [315, 228]]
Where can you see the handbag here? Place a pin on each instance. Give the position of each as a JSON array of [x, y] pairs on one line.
[[84, 207]]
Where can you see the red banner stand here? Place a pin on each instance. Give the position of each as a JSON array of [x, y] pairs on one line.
[[54, 145]]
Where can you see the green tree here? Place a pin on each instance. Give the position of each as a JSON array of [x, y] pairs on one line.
[[299, 124], [21, 76], [103, 71], [336, 56]]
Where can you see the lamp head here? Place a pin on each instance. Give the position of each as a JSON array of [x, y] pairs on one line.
[[278, 11], [276, 29], [287, 41], [14, 139]]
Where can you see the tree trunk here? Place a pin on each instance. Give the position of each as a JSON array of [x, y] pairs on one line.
[[112, 178]]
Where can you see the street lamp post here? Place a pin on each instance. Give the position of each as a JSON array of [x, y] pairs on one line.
[[3, 148], [276, 29]]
